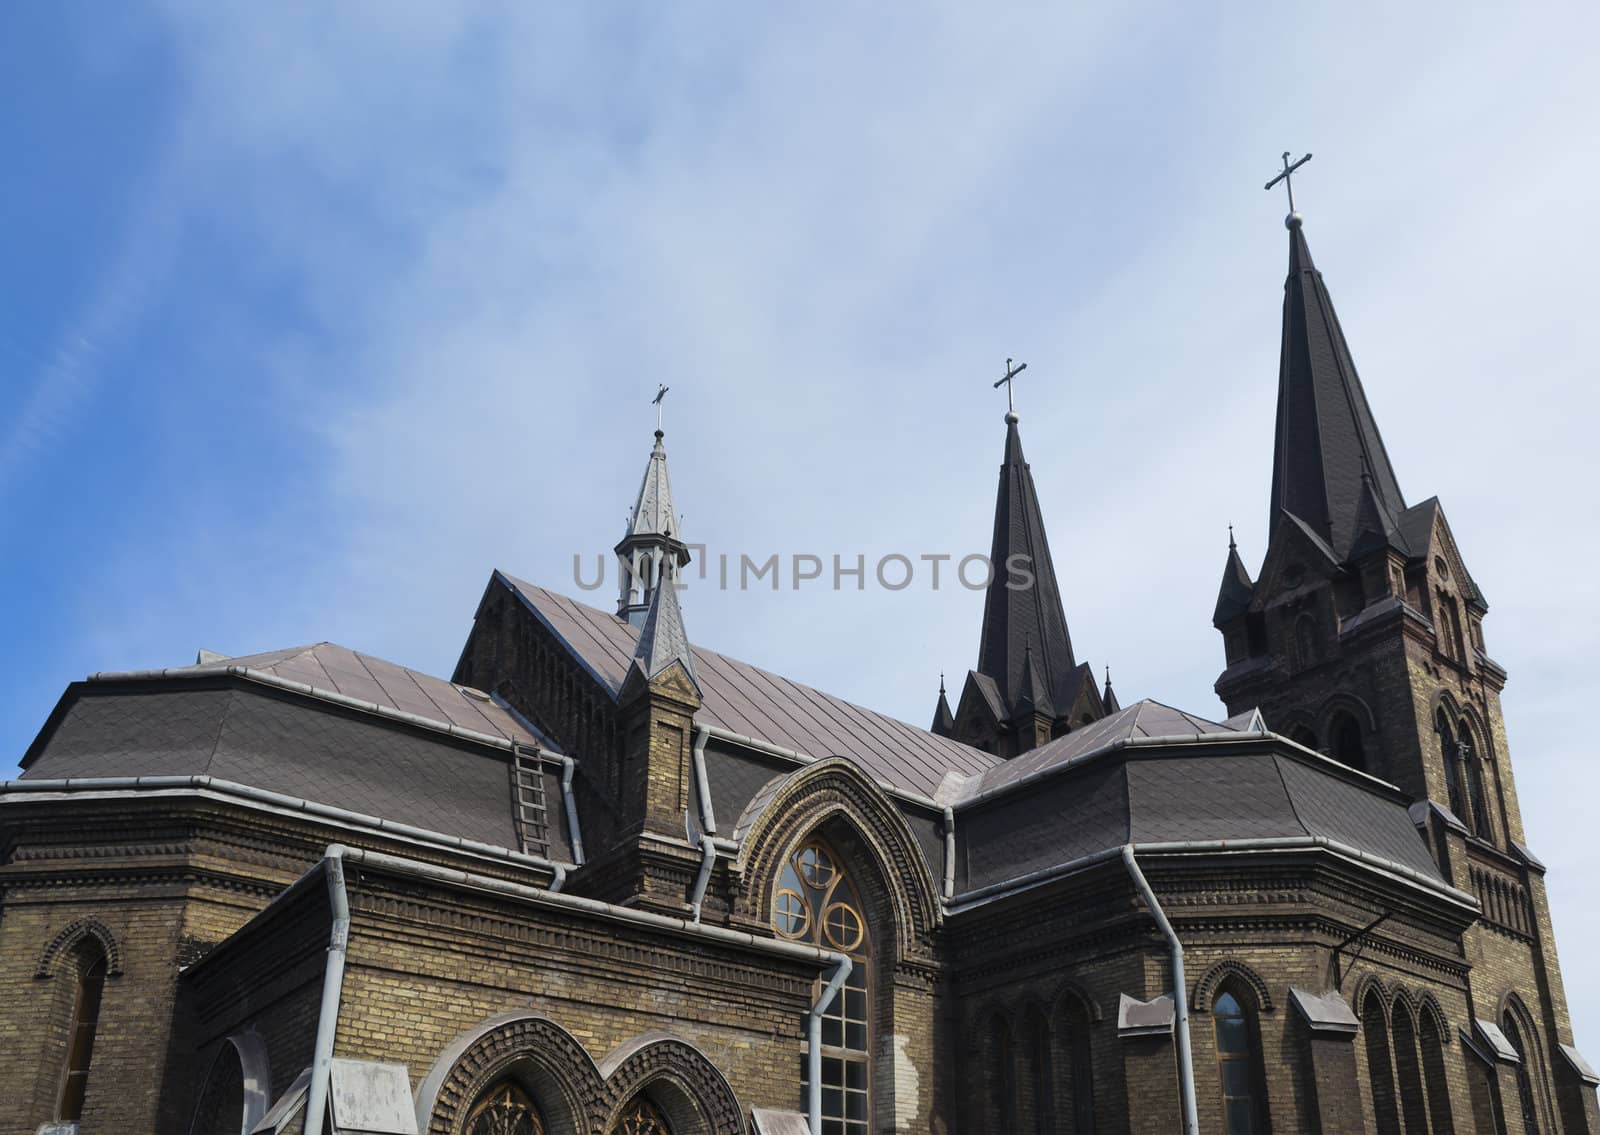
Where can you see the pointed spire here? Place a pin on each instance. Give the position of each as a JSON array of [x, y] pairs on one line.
[[944, 722], [1032, 695], [1325, 429], [652, 546], [663, 639], [1376, 527], [1233, 597], [1109, 698], [1023, 605]]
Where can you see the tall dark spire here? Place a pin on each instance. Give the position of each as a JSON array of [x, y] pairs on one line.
[[1233, 597], [1326, 433], [1023, 606]]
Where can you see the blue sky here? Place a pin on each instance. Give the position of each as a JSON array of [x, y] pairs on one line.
[[311, 317]]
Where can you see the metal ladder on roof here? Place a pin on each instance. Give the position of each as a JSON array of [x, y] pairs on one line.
[[528, 806]]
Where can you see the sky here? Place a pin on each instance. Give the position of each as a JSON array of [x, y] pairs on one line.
[[313, 316]]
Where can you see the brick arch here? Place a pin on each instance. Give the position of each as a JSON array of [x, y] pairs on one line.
[[790, 808], [1345, 702], [1426, 1005], [695, 1096], [1364, 986], [1511, 1004], [1069, 992], [541, 1055], [1230, 969], [70, 936]]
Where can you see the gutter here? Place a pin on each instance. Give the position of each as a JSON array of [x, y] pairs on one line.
[[112, 787], [332, 988], [841, 970], [573, 832], [1180, 993]]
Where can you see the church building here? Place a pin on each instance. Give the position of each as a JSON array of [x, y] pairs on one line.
[[605, 880]]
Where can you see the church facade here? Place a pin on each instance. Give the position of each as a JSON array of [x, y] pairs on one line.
[[606, 880]]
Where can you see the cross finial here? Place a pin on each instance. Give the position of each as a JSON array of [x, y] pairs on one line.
[[1287, 177], [1010, 376], [661, 395]]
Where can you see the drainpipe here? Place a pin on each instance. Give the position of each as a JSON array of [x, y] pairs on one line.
[[814, 1044], [708, 856], [332, 986], [1180, 998], [702, 785], [567, 765], [949, 852]]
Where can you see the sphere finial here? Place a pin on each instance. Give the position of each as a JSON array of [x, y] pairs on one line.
[[1293, 221], [1011, 417]]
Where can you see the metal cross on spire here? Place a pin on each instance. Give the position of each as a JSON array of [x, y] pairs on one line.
[[656, 402], [1287, 177], [1010, 376]]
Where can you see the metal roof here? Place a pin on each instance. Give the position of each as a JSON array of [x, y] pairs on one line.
[[756, 703]]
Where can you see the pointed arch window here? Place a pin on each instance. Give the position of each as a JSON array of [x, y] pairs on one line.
[[817, 903], [999, 1085], [641, 1117], [1380, 1069], [1075, 1078], [1408, 1069], [1345, 744], [505, 1109], [1450, 756], [1041, 1074], [1480, 824], [1525, 1097], [80, 1038], [1239, 1067]]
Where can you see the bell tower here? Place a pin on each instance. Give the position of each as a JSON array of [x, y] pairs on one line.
[[1362, 636]]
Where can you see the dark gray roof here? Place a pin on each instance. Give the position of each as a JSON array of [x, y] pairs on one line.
[[1236, 591], [1141, 719], [232, 729], [1210, 792], [1327, 436], [756, 703], [339, 670]]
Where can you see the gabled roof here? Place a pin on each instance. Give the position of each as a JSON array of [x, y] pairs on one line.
[[756, 703], [340, 670], [1141, 719], [1326, 433], [1015, 617]]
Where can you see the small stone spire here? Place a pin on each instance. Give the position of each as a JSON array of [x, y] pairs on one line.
[[663, 639], [1109, 698], [1237, 590], [651, 548], [1033, 696], [944, 722]]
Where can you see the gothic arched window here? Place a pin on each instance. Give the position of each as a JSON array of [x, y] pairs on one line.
[[1525, 1099], [641, 1117], [1041, 1101], [91, 974], [1075, 1067], [1345, 744], [999, 1083], [1380, 1070], [816, 903], [1433, 1072], [1450, 756], [1238, 1043], [1305, 641], [1408, 1069], [505, 1109], [1480, 824]]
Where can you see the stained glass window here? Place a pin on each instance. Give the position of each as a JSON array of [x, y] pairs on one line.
[[641, 1117], [505, 1110], [816, 903]]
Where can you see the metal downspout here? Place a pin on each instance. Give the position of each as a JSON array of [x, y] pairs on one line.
[[814, 1043], [702, 785], [567, 766], [708, 857], [949, 852], [332, 986], [1180, 997]]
